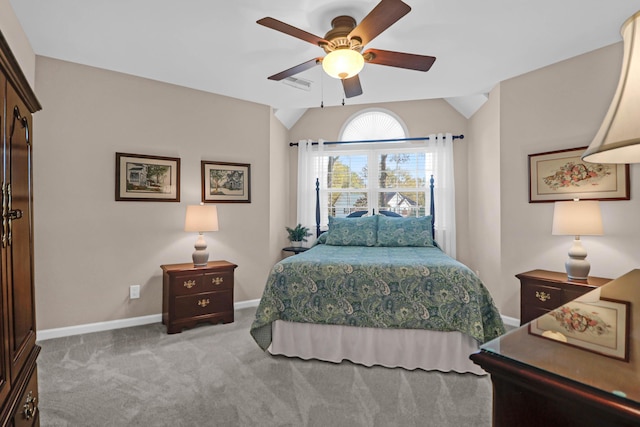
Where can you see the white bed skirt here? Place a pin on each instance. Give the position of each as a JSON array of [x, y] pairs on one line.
[[406, 348]]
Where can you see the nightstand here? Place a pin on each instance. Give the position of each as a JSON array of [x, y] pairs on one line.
[[196, 294], [295, 249], [542, 291]]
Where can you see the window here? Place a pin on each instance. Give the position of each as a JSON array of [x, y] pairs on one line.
[[370, 176], [377, 179], [367, 177]]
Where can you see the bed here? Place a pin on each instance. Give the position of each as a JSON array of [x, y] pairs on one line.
[[377, 290]]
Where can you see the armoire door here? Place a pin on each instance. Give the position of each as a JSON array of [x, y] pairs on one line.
[[5, 377], [22, 328]]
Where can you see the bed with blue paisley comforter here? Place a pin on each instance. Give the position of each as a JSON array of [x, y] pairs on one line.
[[369, 282]]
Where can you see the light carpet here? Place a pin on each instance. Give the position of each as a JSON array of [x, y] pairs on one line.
[[215, 375]]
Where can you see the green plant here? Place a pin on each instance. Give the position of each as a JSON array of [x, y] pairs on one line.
[[298, 234]]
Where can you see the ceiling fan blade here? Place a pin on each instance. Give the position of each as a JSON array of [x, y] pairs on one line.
[[399, 59], [274, 24], [384, 15], [352, 86], [295, 70]]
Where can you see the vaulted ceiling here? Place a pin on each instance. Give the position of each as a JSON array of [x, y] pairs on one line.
[[217, 46]]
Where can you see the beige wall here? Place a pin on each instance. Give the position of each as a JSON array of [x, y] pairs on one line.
[[558, 107], [17, 40], [484, 195], [90, 248]]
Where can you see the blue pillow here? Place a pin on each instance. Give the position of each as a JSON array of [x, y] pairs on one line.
[[411, 231], [353, 231]]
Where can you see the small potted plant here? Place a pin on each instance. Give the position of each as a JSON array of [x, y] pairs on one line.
[[297, 235]]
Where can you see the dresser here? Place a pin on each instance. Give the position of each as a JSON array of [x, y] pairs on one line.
[[18, 353], [542, 291], [539, 381], [192, 295]]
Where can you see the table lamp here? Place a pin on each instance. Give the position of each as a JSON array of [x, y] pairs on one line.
[[577, 218], [201, 218]]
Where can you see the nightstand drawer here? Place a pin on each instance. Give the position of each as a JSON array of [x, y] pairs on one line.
[[218, 281], [542, 291], [191, 306], [188, 284], [541, 295]]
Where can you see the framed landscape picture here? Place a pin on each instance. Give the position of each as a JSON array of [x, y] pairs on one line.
[[601, 327], [224, 182], [144, 178], [562, 175]]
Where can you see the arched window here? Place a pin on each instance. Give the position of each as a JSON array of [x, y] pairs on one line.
[[373, 124]]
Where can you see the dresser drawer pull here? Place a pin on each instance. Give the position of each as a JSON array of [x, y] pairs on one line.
[[30, 406], [543, 296], [203, 302], [189, 284], [217, 280]]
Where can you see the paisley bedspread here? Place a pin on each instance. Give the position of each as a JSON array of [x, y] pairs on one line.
[[383, 287]]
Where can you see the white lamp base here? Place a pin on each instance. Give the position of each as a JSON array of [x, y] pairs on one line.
[[201, 255], [577, 266]]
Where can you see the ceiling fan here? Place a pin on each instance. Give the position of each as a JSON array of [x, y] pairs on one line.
[[345, 41]]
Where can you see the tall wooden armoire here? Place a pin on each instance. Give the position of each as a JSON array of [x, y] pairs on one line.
[[18, 373]]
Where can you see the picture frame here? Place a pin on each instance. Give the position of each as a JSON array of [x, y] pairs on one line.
[[562, 175], [225, 182], [600, 327], [146, 178]]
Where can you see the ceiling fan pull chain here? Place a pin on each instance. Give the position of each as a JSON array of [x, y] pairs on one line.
[[321, 89]]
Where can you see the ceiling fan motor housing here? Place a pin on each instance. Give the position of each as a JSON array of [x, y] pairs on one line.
[[337, 36]]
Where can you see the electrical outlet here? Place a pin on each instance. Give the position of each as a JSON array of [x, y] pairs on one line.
[[134, 291]]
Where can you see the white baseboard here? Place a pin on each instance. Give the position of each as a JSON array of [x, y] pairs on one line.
[[510, 321], [88, 328]]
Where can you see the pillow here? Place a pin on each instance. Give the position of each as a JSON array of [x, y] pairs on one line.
[[412, 231], [322, 239], [353, 231]]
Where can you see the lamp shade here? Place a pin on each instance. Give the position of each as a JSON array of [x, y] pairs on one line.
[[201, 218], [343, 63], [577, 218], [618, 140]]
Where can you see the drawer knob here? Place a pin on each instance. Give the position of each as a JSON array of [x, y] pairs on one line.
[[189, 284], [203, 302], [543, 296], [217, 280], [29, 407]]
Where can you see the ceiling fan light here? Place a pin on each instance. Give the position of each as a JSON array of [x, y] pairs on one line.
[[343, 63]]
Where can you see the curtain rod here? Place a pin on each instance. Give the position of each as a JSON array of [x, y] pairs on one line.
[[365, 141]]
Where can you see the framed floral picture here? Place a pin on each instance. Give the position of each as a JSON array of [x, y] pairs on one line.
[[143, 178], [224, 182], [601, 326], [562, 175]]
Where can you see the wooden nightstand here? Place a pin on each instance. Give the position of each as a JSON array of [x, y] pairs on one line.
[[295, 249], [196, 294], [542, 291]]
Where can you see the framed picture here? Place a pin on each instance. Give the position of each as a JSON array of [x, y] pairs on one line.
[[224, 182], [143, 178], [562, 175], [601, 327]]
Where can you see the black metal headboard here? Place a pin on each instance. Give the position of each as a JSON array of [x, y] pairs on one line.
[[432, 207]]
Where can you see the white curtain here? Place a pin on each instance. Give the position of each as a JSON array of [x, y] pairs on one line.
[[308, 171], [445, 208]]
